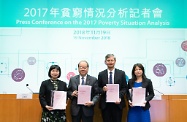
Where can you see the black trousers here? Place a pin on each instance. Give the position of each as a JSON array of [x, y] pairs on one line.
[[112, 113], [81, 117]]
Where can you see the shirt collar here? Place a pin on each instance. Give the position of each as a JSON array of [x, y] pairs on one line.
[[83, 76], [113, 71]]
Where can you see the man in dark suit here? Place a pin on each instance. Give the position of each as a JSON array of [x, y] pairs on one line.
[[82, 112], [112, 111]]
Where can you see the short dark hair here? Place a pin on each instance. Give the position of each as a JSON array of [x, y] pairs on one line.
[[83, 61], [54, 67], [110, 55]]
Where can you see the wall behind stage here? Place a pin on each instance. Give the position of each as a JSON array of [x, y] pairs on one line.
[[35, 34]]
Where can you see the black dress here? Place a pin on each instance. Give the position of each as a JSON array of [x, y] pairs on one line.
[[45, 99]]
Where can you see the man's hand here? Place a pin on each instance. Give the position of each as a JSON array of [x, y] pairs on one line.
[[118, 101], [105, 88], [90, 103], [74, 93]]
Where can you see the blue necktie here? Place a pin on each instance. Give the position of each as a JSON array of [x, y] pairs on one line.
[[82, 80], [110, 78]]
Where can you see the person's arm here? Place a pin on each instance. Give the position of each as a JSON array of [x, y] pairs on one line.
[[65, 89], [150, 91], [70, 92], [69, 89], [42, 95], [100, 86], [123, 87], [129, 91], [95, 91]]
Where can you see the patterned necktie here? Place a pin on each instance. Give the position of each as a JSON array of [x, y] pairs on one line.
[[82, 80], [110, 78]]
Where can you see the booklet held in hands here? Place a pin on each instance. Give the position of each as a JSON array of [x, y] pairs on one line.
[[112, 94], [84, 94], [138, 96], [58, 99]]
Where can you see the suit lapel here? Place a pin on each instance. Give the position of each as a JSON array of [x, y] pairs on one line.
[[77, 80], [106, 77], [87, 80], [115, 75]]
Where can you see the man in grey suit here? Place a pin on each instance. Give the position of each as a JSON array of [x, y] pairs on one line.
[[111, 111], [84, 112]]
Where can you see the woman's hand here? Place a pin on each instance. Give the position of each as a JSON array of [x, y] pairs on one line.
[[144, 103], [130, 103], [49, 107]]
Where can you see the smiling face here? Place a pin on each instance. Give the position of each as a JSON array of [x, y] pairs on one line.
[[83, 68], [110, 62], [138, 71], [54, 74]]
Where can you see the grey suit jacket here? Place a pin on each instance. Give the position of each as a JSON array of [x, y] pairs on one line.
[[73, 85]]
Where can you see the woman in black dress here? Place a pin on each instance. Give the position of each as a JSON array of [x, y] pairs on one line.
[[48, 114]]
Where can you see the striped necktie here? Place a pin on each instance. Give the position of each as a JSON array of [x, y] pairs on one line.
[[82, 80]]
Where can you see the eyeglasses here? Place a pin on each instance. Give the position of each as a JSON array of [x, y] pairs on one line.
[[83, 67]]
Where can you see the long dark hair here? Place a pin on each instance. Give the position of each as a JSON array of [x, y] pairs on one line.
[[141, 67]]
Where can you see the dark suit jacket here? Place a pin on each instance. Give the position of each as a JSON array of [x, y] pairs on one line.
[[119, 78], [146, 83], [45, 92], [73, 85]]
